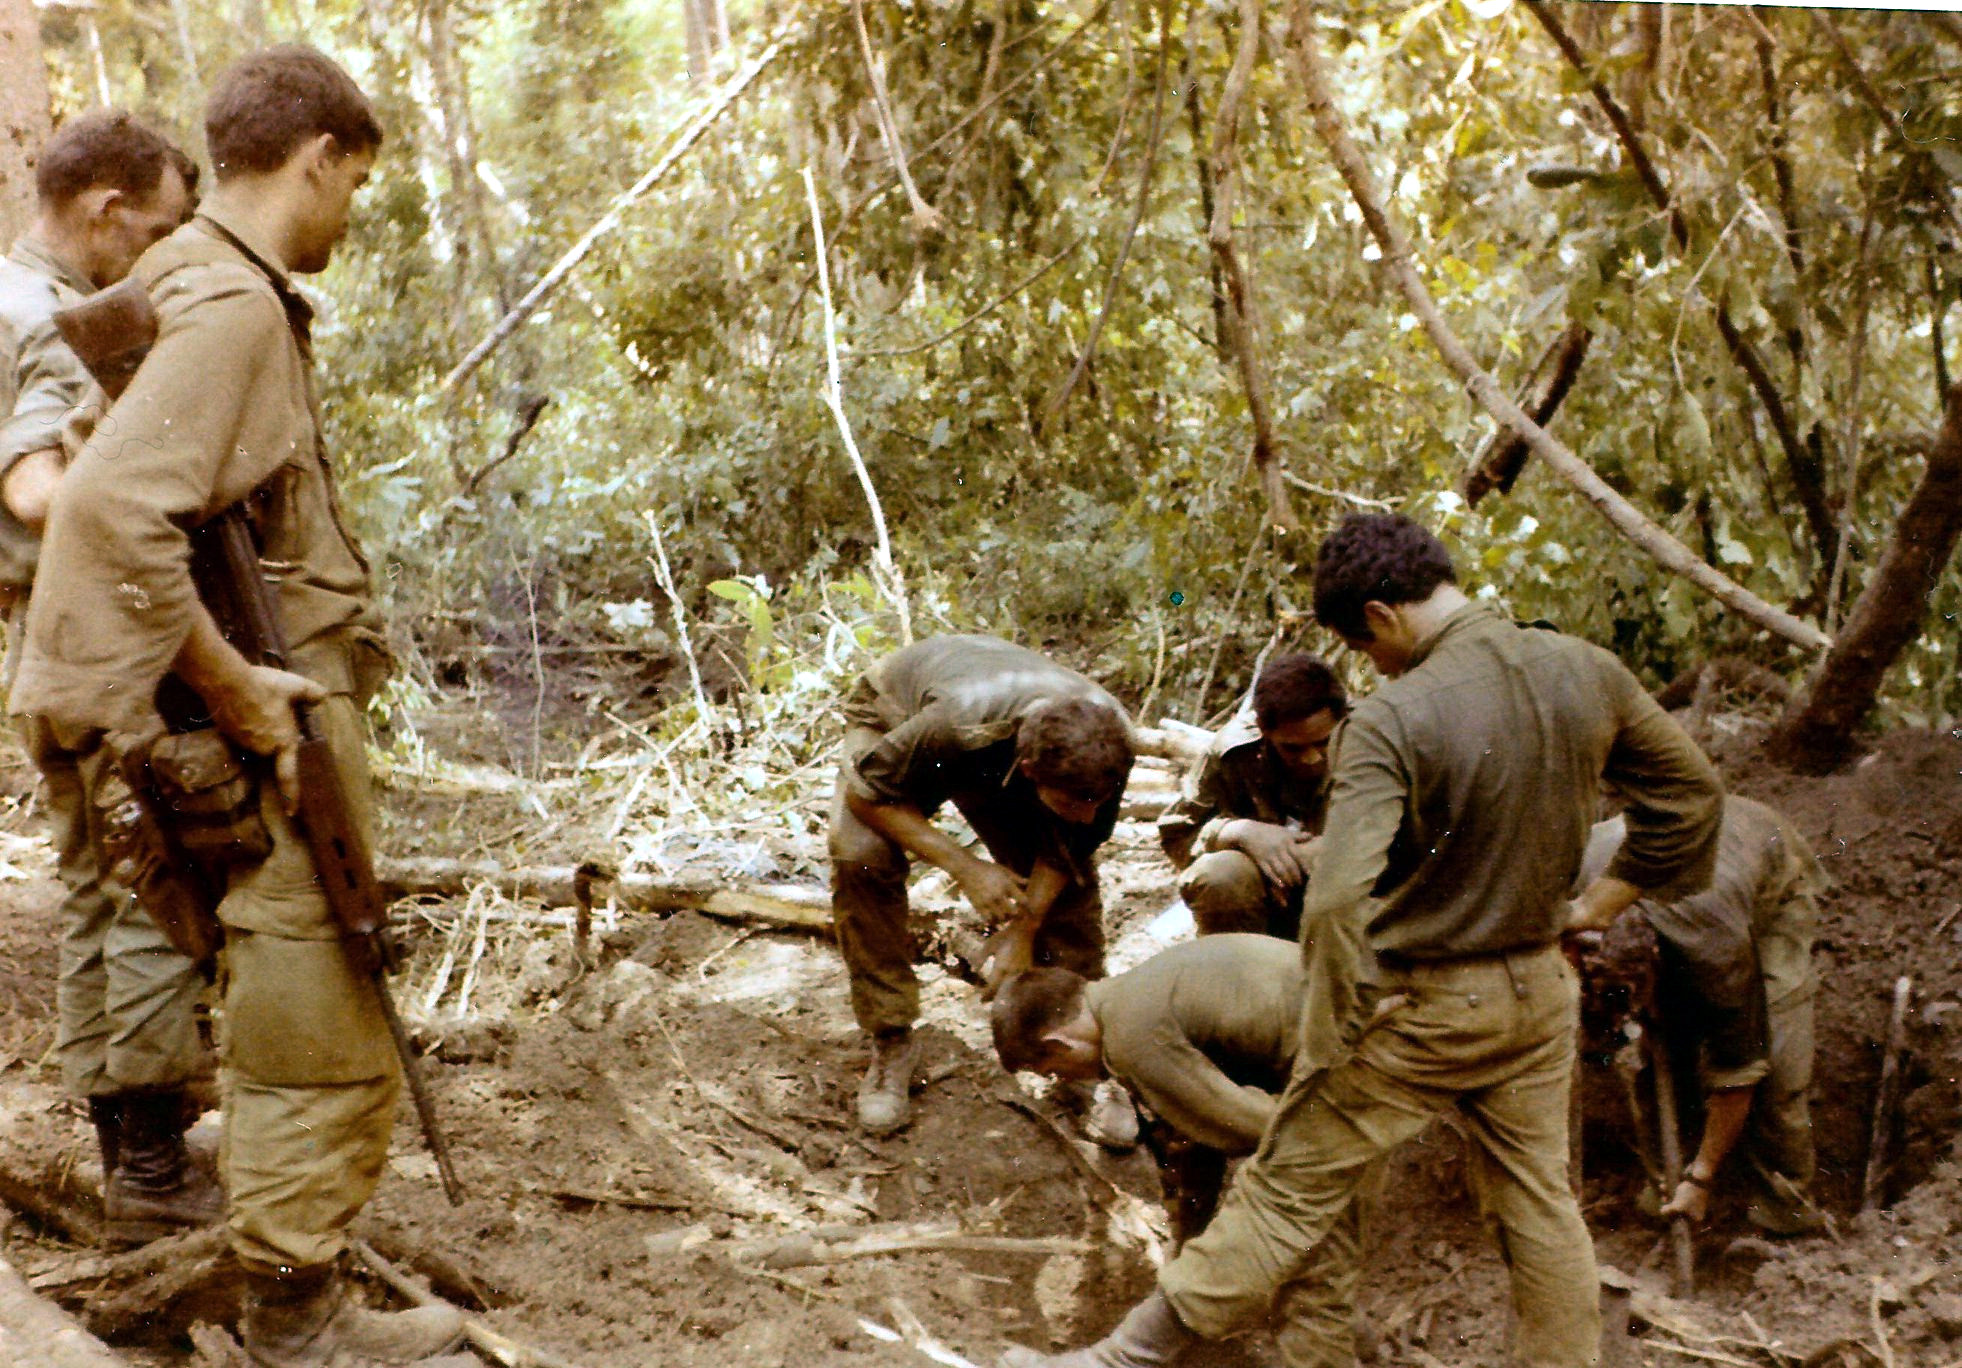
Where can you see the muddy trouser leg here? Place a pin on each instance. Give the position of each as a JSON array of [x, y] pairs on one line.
[[1226, 893], [1778, 1145], [125, 999], [868, 899], [310, 1073], [1190, 1175], [1494, 1037]]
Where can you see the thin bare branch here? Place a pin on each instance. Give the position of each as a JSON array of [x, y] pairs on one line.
[[1399, 260], [926, 219]]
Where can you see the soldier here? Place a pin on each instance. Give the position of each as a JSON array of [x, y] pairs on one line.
[[1035, 757], [1244, 826], [223, 410], [1462, 796], [1204, 1035], [126, 1036], [1734, 987]]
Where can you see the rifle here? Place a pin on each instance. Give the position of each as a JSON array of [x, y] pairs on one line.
[[110, 332]]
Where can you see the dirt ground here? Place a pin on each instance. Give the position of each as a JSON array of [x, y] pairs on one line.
[[622, 1126]]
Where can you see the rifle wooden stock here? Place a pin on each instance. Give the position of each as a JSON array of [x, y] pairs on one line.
[[111, 332]]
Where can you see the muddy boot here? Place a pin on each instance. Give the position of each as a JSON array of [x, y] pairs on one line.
[[106, 1114], [1149, 1337], [155, 1189], [305, 1319], [884, 1098]]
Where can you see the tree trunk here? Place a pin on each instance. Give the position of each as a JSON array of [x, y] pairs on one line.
[[1505, 457], [1817, 733], [23, 113]]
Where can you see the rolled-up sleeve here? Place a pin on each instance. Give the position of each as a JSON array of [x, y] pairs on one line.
[[51, 383], [114, 599], [914, 763], [1675, 799]]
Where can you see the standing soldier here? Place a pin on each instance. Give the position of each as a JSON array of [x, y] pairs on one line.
[[222, 411], [1243, 829], [1463, 793], [1734, 993], [108, 188], [1204, 1034], [1035, 757]]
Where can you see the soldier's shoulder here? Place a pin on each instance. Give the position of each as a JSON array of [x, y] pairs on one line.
[[191, 267], [27, 297]]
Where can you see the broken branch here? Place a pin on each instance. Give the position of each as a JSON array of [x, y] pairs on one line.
[[1887, 1099], [35, 1333], [1504, 457], [926, 219]]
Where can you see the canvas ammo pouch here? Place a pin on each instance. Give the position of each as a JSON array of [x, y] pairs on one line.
[[210, 800]]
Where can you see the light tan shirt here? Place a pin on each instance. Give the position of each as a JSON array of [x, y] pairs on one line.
[[221, 411], [41, 381]]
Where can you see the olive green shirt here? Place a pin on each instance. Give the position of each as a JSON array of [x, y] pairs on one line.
[[1205, 1034], [1463, 793], [1239, 778], [222, 410], [949, 708], [41, 380], [1712, 989]]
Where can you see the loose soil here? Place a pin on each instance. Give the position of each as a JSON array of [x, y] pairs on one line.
[[617, 1122]]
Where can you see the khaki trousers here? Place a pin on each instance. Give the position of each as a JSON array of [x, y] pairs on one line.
[[1492, 1038], [1227, 893], [125, 1000], [1778, 1146], [869, 908], [310, 1073]]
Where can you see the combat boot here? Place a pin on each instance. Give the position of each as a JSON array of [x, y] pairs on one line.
[[305, 1319], [155, 1189], [1150, 1336], [885, 1097], [106, 1114]]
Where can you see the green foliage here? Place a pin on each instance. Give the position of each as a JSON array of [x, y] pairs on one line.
[[684, 362]]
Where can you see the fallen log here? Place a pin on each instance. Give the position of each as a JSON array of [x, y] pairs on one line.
[[498, 1348], [1887, 1099], [35, 1333], [57, 1204], [789, 906], [1172, 739]]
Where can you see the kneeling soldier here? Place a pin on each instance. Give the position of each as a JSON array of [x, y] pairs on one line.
[[1204, 1035], [1733, 991], [1243, 829], [1035, 757]]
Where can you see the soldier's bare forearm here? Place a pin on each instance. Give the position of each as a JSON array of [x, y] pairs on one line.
[[908, 828], [1725, 1114], [209, 663], [29, 488], [1601, 902]]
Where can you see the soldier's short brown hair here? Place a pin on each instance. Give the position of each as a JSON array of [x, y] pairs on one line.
[[266, 105], [1031, 1005], [1077, 745], [109, 147]]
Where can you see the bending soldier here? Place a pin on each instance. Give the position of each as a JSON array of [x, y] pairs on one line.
[[1035, 757], [1463, 792], [1204, 1035], [223, 410], [1733, 991], [126, 1034], [1244, 826]]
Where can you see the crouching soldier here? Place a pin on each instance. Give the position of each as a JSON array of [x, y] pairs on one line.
[[1203, 1034], [1243, 829], [1733, 988], [1035, 757]]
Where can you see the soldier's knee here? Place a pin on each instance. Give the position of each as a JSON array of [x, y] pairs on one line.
[[1225, 892], [862, 857]]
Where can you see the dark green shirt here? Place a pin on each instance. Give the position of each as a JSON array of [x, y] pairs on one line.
[[950, 707], [1463, 793], [1205, 1034], [1240, 778]]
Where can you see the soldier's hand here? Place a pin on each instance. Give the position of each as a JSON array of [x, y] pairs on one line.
[[257, 713], [1008, 952], [1274, 851], [996, 893], [1691, 1200]]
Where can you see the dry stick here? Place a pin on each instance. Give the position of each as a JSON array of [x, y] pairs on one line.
[[1798, 458], [1056, 401], [784, 905], [1850, 481], [1232, 607], [1242, 312], [1683, 1273], [883, 564], [1864, 87], [1887, 1098], [577, 253], [498, 1348], [1398, 259], [665, 575], [1880, 1339], [926, 219]]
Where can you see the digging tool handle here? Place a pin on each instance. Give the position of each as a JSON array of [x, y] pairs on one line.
[[1672, 1161]]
